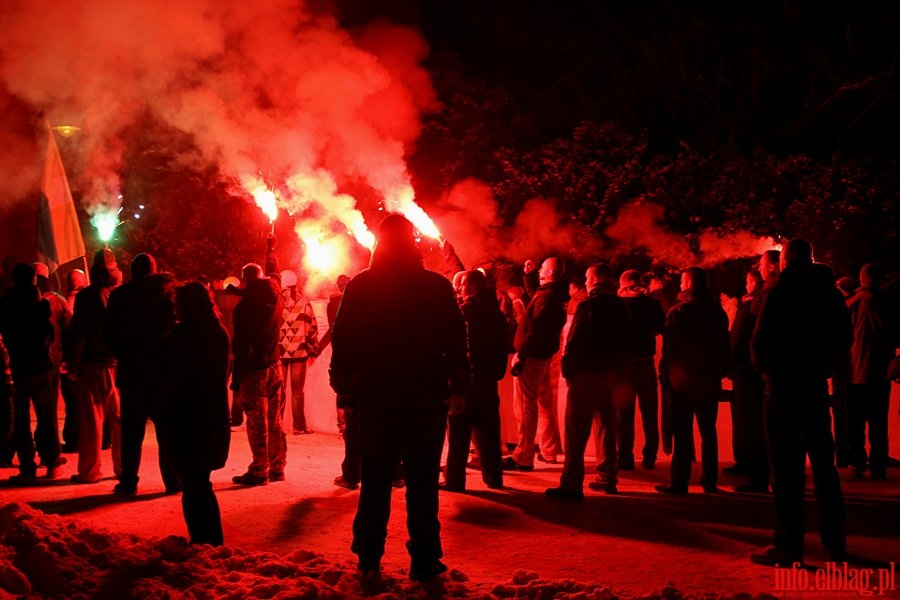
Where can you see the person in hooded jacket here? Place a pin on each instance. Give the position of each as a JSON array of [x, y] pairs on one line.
[[399, 358], [91, 364], [195, 357], [488, 337], [544, 320], [694, 361], [801, 334], [138, 315], [257, 379], [26, 327]]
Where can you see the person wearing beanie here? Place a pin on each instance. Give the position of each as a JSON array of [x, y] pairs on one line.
[[92, 366], [138, 316], [299, 345], [399, 359], [27, 330], [875, 342]]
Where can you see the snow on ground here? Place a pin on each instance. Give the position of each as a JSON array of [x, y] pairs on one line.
[[291, 539]]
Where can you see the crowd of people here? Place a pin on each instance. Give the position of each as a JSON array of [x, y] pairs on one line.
[[416, 355]]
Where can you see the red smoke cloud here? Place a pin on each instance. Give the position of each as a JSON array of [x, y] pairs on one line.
[[266, 88]]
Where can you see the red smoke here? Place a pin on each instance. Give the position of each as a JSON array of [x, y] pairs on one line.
[[262, 87]]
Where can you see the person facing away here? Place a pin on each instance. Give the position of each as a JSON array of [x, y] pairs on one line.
[[544, 320], [596, 347], [7, 450], [748, 430], [801, 334], [875, 341], [256, 379], [488, 337], [639, 381], [92, 366], [138, 316], [299, 345], [195, 357], [694, 361], [399, 359], [27, 330]]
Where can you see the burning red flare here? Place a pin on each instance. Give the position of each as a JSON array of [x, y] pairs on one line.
[[403, 201]]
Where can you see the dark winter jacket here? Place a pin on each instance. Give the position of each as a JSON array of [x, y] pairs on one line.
[[803, 329], [488, 336], [874, 336], [545, 318], [399, 336], [695, 346], [87, 341], [600, 335], [257, 321], [647, 322], [194, 359], [138, 316], [27, 330], [6, 379]]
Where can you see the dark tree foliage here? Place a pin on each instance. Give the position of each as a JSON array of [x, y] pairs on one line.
[[774, 117], [194, 221]]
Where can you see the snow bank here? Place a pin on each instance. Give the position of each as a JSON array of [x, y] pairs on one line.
[[49, 556]]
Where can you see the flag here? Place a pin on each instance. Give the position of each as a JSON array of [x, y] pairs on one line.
[[58, 233]]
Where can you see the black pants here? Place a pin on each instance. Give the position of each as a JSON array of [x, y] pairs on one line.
[[350, 434], [390, 430], [841, 422], [706, 409], [590, 394], [638, 383], [7, 449], [35, 390], [869, 404], [748, 427], [70, 401], [200, 507], [138, 405], [481, 419], [798, 424]]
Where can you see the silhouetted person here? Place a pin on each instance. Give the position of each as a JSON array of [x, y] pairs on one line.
[[7, 450], [800, 334], [598, 342], [533, 396], [195, 407], [299, 346], [61, 318], [6, 278], [138, 316], [257, 369], [399, 354], [748, 435], [874, 346], [639, 380], [226, 300], [694, 361], [839, 384], [27, 330], [488, 337], [91, 364], [76, 281]]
